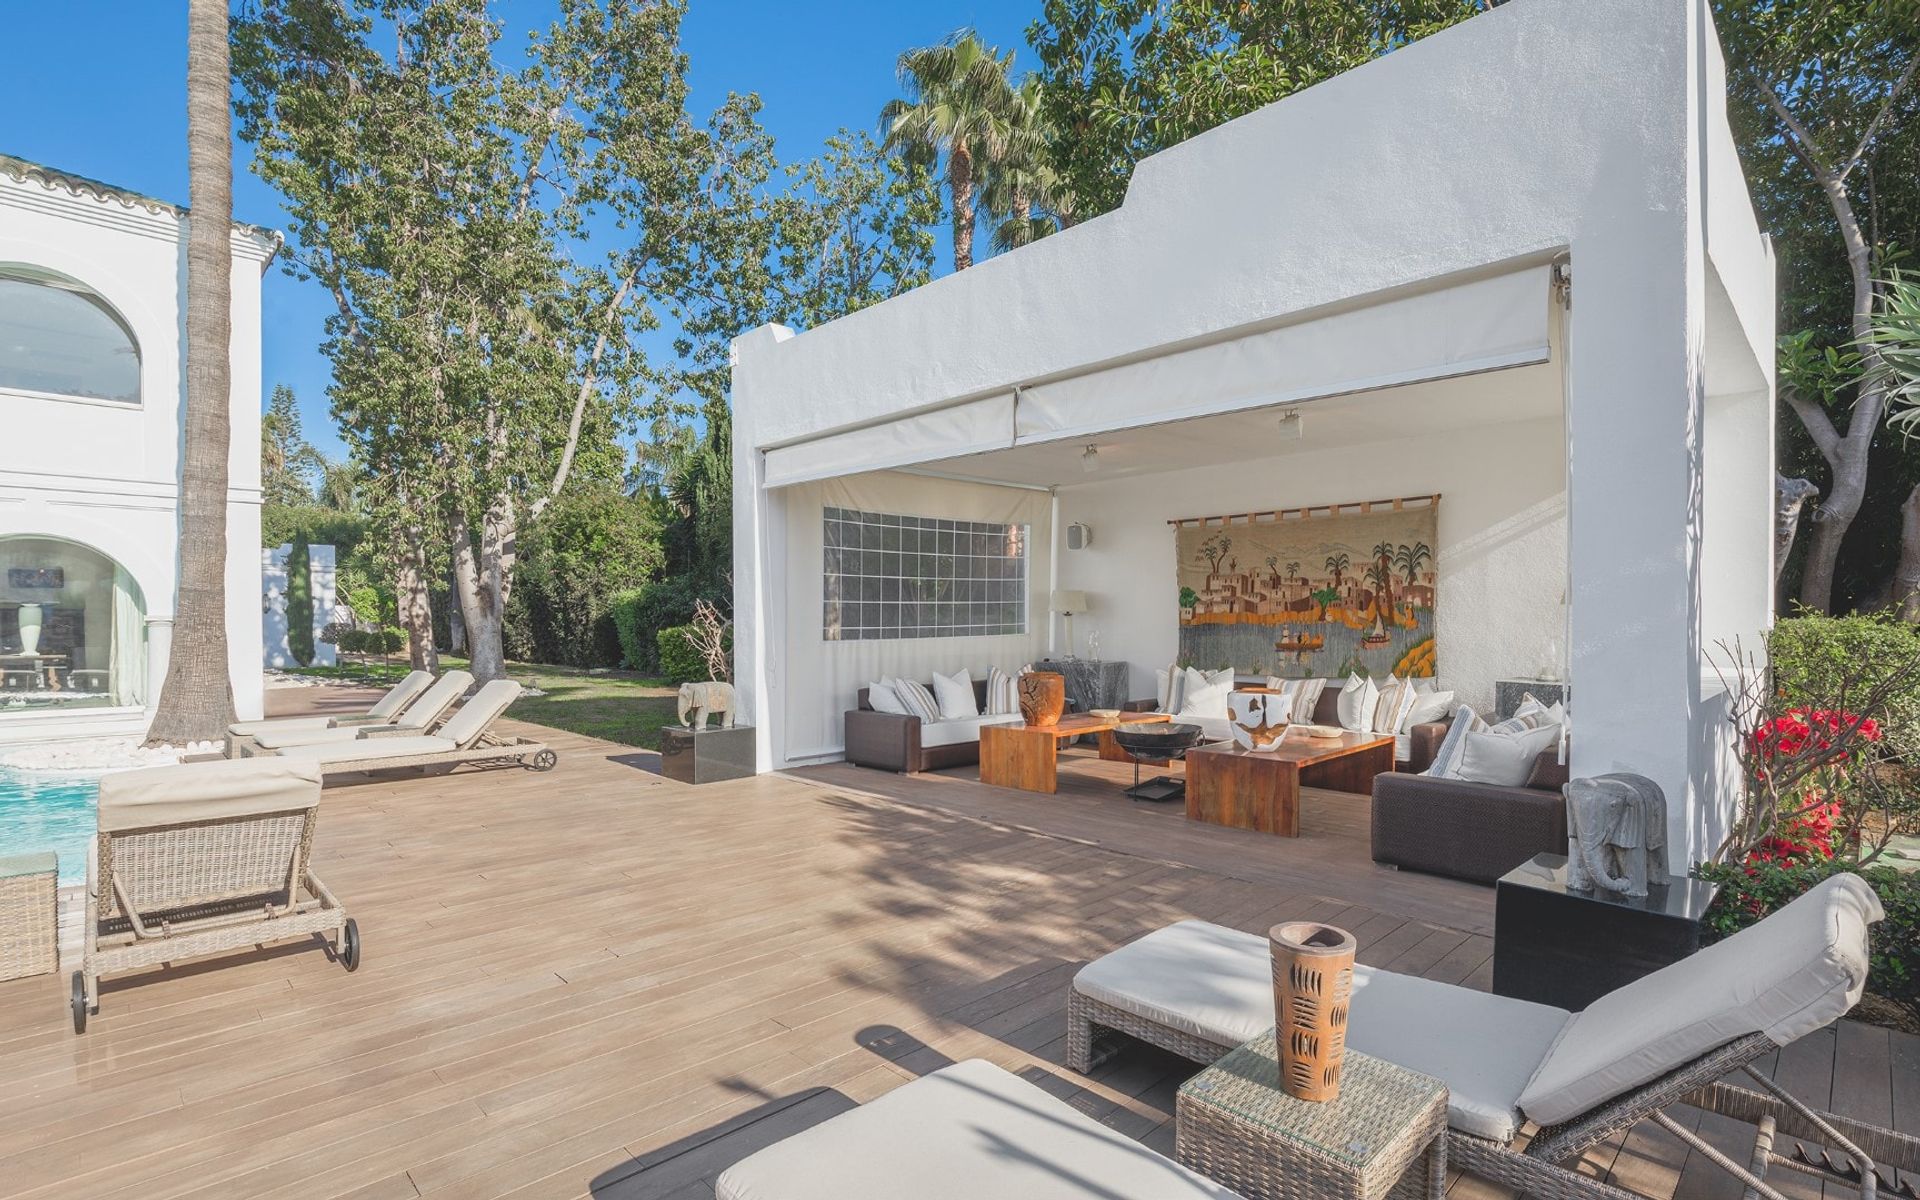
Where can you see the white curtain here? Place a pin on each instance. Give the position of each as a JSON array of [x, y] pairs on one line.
[[129, 663]]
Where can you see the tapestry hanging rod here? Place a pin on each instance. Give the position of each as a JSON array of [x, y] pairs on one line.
[[1272, 515]]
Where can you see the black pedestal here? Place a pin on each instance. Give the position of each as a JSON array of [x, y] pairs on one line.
[[1568, 949], [706, 755]]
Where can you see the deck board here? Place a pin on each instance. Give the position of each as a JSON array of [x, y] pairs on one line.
[[599, 982]]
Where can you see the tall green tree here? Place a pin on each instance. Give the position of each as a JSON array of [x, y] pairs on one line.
[[1828, 117], [499, 233], [1122, 79], [953, 111], [196, 699], [289, 465], [1024, 194]]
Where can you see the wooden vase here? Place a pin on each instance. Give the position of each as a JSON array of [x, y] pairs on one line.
[[1312, 986], [1043, 697]]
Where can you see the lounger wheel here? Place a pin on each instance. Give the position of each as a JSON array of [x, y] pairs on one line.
[[350, 944], [79, 1002], [545, 760]]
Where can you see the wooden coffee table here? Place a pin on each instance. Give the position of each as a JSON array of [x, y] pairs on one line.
[[1260, 789], [1027, 757]]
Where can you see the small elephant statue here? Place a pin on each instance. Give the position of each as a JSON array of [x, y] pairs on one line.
[[699, 699], [1616, 833]]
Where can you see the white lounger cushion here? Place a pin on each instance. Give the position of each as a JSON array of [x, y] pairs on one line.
[[380, 747], [309, 735], [968, 1132], [206, 791], [957, 731], [1483, 1047], [397, 698], [1784, 976], [1217, 983]]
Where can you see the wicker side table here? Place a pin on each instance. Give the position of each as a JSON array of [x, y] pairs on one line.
[[29, 915], [1234, 1124]]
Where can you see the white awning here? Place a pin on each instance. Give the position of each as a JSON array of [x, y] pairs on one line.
[[1485, 325], [921, 437]]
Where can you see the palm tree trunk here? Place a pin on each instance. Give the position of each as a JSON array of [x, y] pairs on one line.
[[960, 178], [1906, 575], [196, 701]]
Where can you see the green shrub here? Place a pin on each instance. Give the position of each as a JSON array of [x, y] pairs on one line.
[[1810, 654], [1751, 891], [390, 640], [300, 602], [639, 614], [680, 660], [351, 641], [588, 548]]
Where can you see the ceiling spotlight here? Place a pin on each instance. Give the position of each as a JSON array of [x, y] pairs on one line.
[[1090, 459], [1291, 425]]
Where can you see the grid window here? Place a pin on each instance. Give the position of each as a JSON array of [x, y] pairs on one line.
[[889, 576]]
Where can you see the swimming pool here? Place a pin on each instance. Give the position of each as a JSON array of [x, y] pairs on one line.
[[40, 811]]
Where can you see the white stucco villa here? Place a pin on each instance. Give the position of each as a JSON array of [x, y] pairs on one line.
[[91, 335], [1513, 265]]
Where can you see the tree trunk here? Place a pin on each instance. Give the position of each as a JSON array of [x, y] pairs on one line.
[[480, 602], [456, 620], [960, 177], [1906, 576], [415, 604], [196, 700]]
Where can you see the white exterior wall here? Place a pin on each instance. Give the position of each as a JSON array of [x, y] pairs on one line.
[[1584, 127], [107, 475], [1501, 554]]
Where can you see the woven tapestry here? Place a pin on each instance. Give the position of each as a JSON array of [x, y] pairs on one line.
[[1311, 593]]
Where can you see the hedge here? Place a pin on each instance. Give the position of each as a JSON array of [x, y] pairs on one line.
[[640, 614], [680, 660]]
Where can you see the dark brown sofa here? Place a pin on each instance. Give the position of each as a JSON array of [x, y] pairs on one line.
[[892, 742], [1472, 831]]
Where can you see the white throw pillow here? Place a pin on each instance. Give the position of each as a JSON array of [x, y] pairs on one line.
[[1170, 685], [881, 697], [919, 701], [954, 693], [1306, 699], [1502, 758], [1207, 702], [1447, 757], [1003, 693], [1425, 683], [1427, 708], [1390, 710], [1195, 679], [1358, 698]]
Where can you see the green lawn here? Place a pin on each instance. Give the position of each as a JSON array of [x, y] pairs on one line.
[[618, 706]]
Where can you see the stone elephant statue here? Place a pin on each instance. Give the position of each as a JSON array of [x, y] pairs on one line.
[[699, 699], [1616, 833]]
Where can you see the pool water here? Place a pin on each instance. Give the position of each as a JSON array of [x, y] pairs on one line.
[[49, 812]]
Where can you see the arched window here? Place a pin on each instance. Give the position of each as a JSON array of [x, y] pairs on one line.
[[73, 630], [59, 338]]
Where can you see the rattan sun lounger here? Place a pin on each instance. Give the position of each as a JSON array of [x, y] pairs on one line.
[[201, 859], [1199, 990], [385, 710], [465, 738], [420, 717]]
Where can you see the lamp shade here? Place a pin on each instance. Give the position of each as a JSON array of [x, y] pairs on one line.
[[1069, 601]]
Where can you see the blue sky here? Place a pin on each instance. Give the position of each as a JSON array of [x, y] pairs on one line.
[[97, 87]]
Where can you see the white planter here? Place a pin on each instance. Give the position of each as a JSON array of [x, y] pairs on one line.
[[29, 628]]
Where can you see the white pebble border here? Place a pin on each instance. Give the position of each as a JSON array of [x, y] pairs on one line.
[[94, 756]]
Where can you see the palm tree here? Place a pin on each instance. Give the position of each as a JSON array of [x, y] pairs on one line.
[[339, 486], [1337, 563], [1383, 558], [1023, 191], [196, 701], [1411, 558], [956, 105], [1293, 570]]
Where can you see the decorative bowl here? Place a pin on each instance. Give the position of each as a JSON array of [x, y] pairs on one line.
[[1325, 732], [1105, 714]]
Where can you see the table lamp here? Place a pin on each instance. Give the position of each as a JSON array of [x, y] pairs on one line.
[[1067, 603]]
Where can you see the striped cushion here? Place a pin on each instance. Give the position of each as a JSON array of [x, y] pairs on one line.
[[1391, 709], [1003, 692], [1306, 699], [918, 699]]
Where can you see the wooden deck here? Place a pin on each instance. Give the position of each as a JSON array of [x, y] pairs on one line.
[[595, 981]]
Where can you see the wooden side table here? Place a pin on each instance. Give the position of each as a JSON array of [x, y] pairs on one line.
[[1233, 1124], [1260, 789]]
